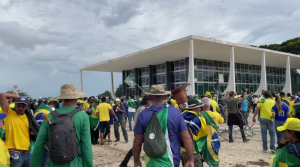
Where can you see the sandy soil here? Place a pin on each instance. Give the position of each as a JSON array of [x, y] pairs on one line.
[[237, 154]]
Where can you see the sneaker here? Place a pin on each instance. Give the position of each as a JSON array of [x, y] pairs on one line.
[[231, 140], [273, 150], [265, 151], [245, 139], [102, 144], [104, 140], [126, 141], [116, 140], [96, 142], [109, 142]]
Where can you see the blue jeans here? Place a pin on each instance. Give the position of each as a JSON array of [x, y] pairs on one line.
[[130, 117], [266, 125], [23, 161], [45, 158], [278, 133], [245, 115], [230, 131]]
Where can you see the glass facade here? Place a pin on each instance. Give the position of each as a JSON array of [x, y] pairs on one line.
[[207, 73], [178, 73]]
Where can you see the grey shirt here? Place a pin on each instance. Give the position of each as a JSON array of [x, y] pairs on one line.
[[231, 105]]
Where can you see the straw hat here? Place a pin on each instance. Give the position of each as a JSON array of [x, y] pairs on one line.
[[158, 90], [69, 91]]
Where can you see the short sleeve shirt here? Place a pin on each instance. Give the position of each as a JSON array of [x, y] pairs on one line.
[[176, 124], [103, 110], [244, 105], [216, 117], [231, 105], [266, 109], [119, 114], [214, 105], [281, 115]]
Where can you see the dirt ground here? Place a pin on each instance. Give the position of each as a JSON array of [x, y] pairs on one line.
[[237, 154]]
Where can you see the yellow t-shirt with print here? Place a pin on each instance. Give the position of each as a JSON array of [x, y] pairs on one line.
[[4, 154], [216, 117], [103, 110], [266, 109], [214, 104], [16, 131]]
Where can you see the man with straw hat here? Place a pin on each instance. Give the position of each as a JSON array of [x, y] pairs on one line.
[[288, 151], [69, 96], [173, 127]]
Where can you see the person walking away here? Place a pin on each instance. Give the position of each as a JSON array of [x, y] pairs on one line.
[[21, 128], [218, 119], [282, 112], [103, 110], [288, 151], [131, 111], [145, 102], [94, 121], [125, 104], [254, 100], [173, 126], [266, 120], [286, 100], [233, 116], [213, 103], [194, 121], [244, 108], [119, 111], [4, 153], [81, 143], [43, 109]]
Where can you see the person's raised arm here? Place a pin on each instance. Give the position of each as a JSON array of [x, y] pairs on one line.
[[137, 147], [245, 95], [224, 97], [3, 100]]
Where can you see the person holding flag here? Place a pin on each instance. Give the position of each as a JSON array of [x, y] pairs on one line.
[[131, 110], [288, 151]]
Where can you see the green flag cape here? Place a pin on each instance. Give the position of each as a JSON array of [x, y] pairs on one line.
[[167, 159], [212, 143], [43, 106], [131, 103], [282, 158]]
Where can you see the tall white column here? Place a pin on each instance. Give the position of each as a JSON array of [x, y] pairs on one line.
[[263, 76], [112, 86], [288, 84], [231, 80], [191, 78], [81, 81]]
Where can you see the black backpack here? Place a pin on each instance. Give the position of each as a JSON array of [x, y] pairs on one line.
[[63, 146]]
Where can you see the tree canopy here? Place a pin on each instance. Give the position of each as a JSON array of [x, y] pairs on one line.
[[119, 91], [105, 94], [20, 92], [289, 46]]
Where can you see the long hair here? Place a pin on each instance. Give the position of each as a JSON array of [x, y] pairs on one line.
[[278, 102]]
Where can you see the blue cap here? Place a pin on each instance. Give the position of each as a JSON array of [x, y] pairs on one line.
[[2, 116]]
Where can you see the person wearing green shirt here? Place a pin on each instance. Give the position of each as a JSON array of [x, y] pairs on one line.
[[69, 95]]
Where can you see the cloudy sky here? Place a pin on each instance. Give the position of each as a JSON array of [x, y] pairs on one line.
[[44, 43]]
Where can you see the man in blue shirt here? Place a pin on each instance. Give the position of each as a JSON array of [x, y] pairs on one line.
[[176, 128], [119, 111], [245, 108]]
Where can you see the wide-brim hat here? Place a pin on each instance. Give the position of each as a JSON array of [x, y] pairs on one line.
[[69, 91], [158, 90], [194, 103]]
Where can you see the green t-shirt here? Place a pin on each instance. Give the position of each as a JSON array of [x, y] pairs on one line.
[[266, 109], [231, 105]]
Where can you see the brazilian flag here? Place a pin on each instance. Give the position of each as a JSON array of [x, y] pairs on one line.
[[129, 81], [296, 107], [282, 158]]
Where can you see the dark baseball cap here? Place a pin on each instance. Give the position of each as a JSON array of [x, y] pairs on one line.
[[23, 100]]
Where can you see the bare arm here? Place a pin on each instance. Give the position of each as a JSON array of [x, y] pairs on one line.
[[112, 111], [218, 109], [245, 95], [188, 145], [273, 115], [289, 115], [224, 97], [3, 100], [137, 147], [255, 113]]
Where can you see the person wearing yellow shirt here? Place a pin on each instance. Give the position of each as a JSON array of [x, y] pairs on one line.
[[218, 119], [4, 153], [20, 128], [103, 110], [213, 103], [266, 120], [89, 103]]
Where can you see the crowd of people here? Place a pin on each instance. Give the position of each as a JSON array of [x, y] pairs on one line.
[[61, 131]]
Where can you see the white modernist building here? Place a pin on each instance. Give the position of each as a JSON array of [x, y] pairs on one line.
[[204, 62]]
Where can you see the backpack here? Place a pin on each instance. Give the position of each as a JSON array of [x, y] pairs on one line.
[[155, 145], [63, 146]]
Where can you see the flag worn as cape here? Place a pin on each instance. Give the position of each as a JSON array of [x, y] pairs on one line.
[[282, 158], [296, 107], [131, 103]]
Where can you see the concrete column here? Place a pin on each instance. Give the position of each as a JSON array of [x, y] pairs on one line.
[[288, 85], [231, 80], [112, 86], [263, 77], [81, 81], [124, 84], [191, 78]]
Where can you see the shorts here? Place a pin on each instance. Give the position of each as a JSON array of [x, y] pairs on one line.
[[104, 125], [126, 116]]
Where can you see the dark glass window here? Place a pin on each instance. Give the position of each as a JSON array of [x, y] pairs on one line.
[[163, 79], [172, 78], [182, 65], [172, 66], [147, 81], [221, 66], [163, 68], [210, 65], [177, 67], [199, 64], [216, 65], [200, 77], [205, 64], [211, 76], [205, 75], [182, 77], [226, 77], [177, 77]]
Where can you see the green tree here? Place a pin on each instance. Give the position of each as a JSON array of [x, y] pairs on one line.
[[119, 91], [289, 46], [105, 94], [20, 92]]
